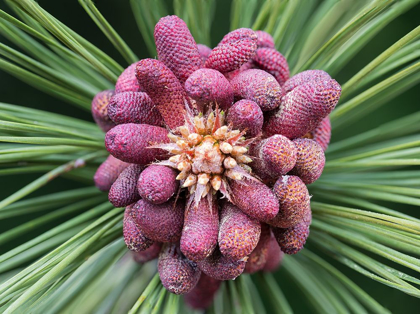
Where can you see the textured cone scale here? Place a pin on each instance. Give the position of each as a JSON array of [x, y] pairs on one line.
[[305, 77], [307, 218], [161, 223], [209, 86], [303, 108], [310, 160], [124, 190], [254, 199], [157, 184], [149, 254], [238, 233], [238, 34], [133, 235], [246, 115], [100, 110], [133, 107], [258, 258], [201, 297], [220, 267], [127, 81], [292, 240], [177, 274], [201, 226], [259, 86], [265, 40], [130, 142], [176, 47], [231, 55], [274, 156], [108, 172], [164, 89], [322, 133], [204, 52], [246, 66], [274, 256], [273, 62], [294, 201]]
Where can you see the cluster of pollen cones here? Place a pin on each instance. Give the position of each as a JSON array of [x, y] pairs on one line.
[[210, 152]]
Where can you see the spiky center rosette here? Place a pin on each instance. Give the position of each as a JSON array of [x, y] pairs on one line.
[[211, 151], [207, 152]]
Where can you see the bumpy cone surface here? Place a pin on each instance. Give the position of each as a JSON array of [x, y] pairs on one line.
[[258, 258], [303, 108], [177, 274], [238, 233], [246, 115], [133, 236], [127, 81], [157, 184], [274, 256], [203, 293], [305, 77], [291, 240], [166, 92], [100, 110], [201, 226], [231, 55], [294, 201], [130, 142], [133, 107], [273, 156], [108, 172], [273, 62], [265, 40], [149, 254], [239, 34], [322, 133], [123, 191], [206, 132], [259, 86], [310, 160], [209, 86], [255, 199], [220, 267], [176, 47], [161, 223], [204, 52]]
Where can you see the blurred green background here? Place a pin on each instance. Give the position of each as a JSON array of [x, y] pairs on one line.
[[119, 15]]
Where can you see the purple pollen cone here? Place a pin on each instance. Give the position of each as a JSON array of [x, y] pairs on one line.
[[211, 152], [177, 274], [130, 142], [176, 47], [265, 40], [208, 85], [127, 81], [133, 107], [161, 223], [108, 172], [238, 233], [201, 226], [246, 115], [100, 110], [133, 236], [166, 92], [123, 191], [258, 86], [157, 184]]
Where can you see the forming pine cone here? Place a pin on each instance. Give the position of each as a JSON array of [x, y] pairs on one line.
[[211, 151]]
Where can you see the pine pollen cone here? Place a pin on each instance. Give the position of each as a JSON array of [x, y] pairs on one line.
[[211, 151]]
